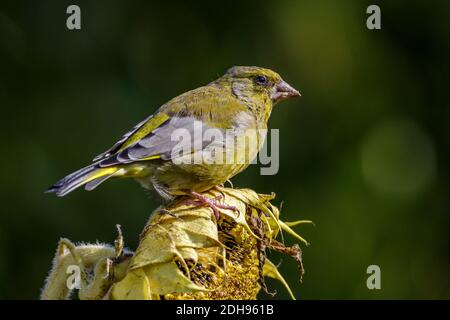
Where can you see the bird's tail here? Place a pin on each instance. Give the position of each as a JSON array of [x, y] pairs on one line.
[[91, 176]]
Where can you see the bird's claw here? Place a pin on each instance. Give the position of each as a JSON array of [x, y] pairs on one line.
[[214, 204]]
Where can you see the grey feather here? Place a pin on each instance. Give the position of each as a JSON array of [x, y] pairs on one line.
[[164, 141], [95, 183], [119, 143], [72, 181]]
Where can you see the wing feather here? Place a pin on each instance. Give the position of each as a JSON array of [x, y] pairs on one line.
[[169, 139], [154, 137], [141, 129]]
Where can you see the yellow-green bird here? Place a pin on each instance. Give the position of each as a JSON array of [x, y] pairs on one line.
[[159, 151]]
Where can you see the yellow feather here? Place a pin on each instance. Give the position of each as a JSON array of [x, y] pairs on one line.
[[153, 123], [100, 173]]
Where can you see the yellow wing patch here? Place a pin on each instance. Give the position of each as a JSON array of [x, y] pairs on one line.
[[100, 173], [153, 123]]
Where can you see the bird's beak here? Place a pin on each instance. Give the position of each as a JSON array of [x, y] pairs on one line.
[[283, 91]]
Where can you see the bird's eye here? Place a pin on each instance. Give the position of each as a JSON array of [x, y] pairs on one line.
[[261, 80]]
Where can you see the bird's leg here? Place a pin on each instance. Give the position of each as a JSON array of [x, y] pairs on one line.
[[214, 204], [221, 191]]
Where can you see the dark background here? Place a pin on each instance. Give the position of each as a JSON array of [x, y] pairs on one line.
[[364, 151]]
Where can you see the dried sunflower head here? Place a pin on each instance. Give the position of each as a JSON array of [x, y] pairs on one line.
[[184, 253]]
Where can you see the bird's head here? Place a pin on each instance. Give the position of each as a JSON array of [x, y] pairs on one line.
[[255, 84]]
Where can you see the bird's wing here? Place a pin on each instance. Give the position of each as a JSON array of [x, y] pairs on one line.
[[162, 143], [148, 125], [174, 128]]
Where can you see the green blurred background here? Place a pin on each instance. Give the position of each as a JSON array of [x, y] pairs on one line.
[[364, 151]]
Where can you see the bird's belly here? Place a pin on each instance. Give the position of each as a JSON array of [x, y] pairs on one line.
[[204, 169], [196, 177], [217, 162]]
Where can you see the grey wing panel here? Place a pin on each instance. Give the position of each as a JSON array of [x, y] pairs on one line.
[[180, 134], [120, 142]]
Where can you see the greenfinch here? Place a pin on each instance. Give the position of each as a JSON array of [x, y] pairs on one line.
[[164, 152]]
